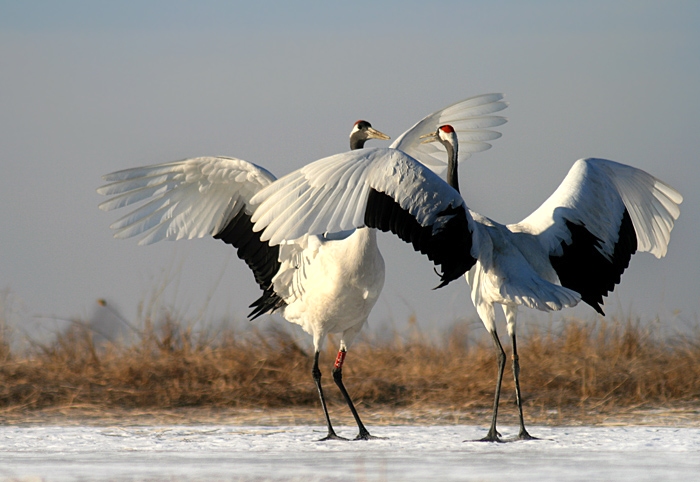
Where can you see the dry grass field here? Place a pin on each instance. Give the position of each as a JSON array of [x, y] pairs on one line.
[[580, 369]]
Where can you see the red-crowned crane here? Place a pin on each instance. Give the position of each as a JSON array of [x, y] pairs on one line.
[[573, 248]]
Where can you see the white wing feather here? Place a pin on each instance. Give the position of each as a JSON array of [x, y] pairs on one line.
[[471, 120], [185, 199], [330, 195], [594, 193]]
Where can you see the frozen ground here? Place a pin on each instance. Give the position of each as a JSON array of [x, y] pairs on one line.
[[219, 452]]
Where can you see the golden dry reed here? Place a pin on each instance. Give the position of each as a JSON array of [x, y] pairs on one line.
[[589, 364]]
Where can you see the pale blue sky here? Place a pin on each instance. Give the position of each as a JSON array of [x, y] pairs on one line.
[[90, 87]]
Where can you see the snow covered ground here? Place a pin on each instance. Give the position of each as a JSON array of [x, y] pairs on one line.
[[220, 452]]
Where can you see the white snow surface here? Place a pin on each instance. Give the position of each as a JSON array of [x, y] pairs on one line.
[[256, 453]]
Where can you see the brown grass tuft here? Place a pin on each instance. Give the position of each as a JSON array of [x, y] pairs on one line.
[[588, 365]]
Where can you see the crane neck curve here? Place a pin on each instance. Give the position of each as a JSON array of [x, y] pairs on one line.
[[452, 166]]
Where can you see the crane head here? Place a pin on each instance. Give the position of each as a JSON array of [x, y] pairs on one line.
[[444, 134], [362, 131]]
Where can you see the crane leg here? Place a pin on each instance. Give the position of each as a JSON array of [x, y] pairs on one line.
[[493, 435], [523, 434], [338, 378], [316, 373]]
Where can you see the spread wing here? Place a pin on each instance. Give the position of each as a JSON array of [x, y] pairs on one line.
[[193, 198], [598, 217], [380, 188]]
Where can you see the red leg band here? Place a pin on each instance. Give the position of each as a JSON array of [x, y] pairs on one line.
[[340, 359]]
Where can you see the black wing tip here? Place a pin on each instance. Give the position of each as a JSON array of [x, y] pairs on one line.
[[446, 279], [269, 302], [442, 285], [261, 258], [595, 301], [583, 268]]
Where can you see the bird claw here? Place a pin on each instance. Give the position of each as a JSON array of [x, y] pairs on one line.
[[524, 435], [332, 436], [489, 439], [367, 436], [496, 437], [492, 436]]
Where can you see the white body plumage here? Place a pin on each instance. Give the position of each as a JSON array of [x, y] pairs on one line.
[[332, 285]]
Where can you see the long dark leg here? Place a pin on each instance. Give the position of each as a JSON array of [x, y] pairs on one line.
[[316, 372], [493, 435], [523, 435], [338, 377]]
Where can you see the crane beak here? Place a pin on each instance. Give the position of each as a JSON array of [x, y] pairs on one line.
[[431, 137], [373, 133]]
